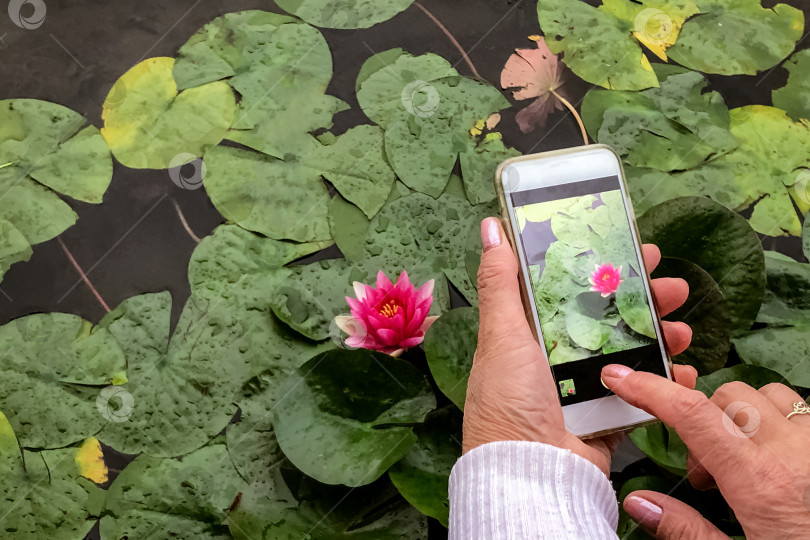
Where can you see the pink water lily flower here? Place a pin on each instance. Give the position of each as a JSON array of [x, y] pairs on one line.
[[389, 318], [605, 279]]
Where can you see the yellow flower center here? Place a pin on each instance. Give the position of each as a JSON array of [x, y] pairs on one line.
[[390, 309], [605, 277]]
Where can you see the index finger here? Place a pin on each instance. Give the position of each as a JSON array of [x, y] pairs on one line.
[[698, 421]]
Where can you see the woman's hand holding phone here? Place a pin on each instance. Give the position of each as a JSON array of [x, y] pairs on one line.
[[511, 394]]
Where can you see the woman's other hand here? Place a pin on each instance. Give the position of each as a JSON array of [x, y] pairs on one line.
[[741, 439]]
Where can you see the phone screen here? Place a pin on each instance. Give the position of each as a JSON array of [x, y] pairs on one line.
[[585, 277]]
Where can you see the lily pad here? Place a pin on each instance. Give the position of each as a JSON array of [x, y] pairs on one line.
[[44, 493], [394, 80], [449, 346], [750, 175], [182, 393], [64, 362], [427, 237], [231, 254], [45, 150], [663, 446], [280, 68], [341, 416], [704, 311], [633, 305], [349, 227], [673, 127], [794, 97], [603, 44], [422, 475], [188, 497], [585, 331], [147, 123], [787, 294], [423, 145], [292, 506], [344, 14], [752, 375], [783, 350], [285, 201], [355, 164], [719, 241], [478, 164], [732, 37]]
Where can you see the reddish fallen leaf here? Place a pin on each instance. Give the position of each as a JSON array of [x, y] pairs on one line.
[[534, 73]]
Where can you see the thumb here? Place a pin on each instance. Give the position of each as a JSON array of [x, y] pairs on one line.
[[667, 518], [500, 305]]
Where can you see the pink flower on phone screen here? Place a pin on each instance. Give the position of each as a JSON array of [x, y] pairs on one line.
[[605, 279], [389, 318]]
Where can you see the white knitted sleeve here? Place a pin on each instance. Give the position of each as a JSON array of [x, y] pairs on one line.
[[520, 490]]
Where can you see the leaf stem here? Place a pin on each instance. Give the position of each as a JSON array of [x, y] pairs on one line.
[[185, 223], [452, 39], [7, 164], [83, 275], [574, 112]]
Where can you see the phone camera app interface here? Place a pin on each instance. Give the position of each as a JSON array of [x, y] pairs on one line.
[[586, 281]]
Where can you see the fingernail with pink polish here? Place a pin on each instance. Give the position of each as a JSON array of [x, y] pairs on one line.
[[644, 512], [616, 371], [490, 233]]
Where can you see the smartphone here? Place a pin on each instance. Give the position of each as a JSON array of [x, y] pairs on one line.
[[585, 289]]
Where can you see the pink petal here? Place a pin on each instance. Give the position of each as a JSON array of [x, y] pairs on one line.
[[383, 283], [411, 341], [425, 291], [359, 290], [388, 336], [396, 353], [347, 324], [428, 322]]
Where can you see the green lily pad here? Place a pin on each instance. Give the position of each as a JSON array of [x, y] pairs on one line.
[[704, 311], [750, 175], [585, 331], [293, 506], [45, 150], [64, 362], [147, 123], [349, 227], [182, 393], [344, 14], [794, 97], [252, 444], [633, 305], [229, 255], [478, 164], [673, 127], [752, 375], [331, 421], [422, 475], [48, 143], [427, 237], [14, 247], [449, 346], [732, 37], [719, 241], [787, 294], [423, 144], [806, 236], [279, 67], [390, 79], [277, 199], [180, 498], [663, 446], [43, 492], [783, 350], [355, 164], [602, 44]]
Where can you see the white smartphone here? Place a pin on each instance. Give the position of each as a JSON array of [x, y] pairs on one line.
[[585, 289]]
